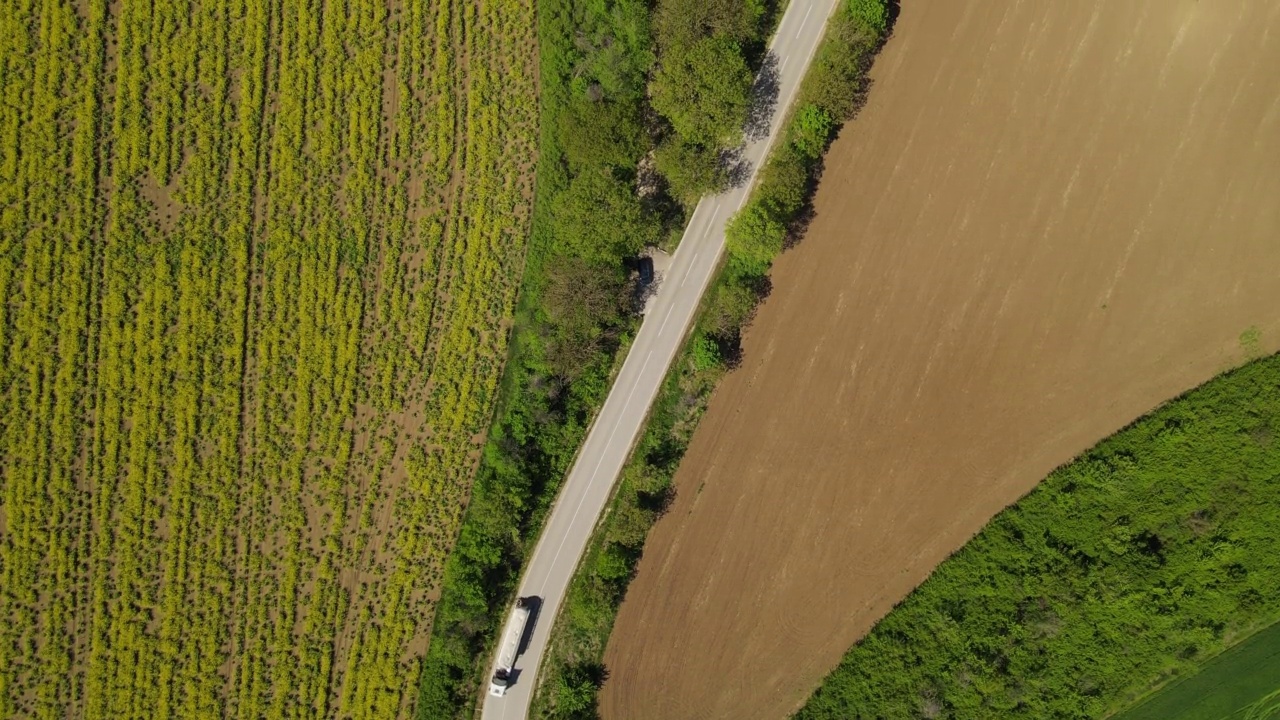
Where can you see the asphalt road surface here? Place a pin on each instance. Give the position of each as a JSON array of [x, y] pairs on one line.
[[608, 443]]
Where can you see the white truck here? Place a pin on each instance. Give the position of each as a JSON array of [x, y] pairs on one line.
[[510, 647]]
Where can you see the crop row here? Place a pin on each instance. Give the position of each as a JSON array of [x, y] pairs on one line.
[[476, 241], [247, 248], [47, 175]]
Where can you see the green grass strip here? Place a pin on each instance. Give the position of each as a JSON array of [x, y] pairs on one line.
[[1242, 683]]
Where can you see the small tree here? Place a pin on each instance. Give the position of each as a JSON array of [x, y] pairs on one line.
[[584, 302], [680, 23], [754, 238], [596, 134], [691, 170], [811, 130], [705, 91], [836, 81], [576, 691], [599, 219], [871, 15], [731, 307], [784, 185], [613, 564]]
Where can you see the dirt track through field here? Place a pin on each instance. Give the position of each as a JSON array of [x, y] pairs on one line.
[[1049, 218]]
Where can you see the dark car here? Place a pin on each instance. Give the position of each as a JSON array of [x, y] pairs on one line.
[[644, 266]]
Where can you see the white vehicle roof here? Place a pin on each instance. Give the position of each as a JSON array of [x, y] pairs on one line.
[[498, 688], [511, 638]]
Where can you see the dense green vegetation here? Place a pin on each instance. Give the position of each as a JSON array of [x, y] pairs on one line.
[[1127, 567], [1243, 683], [573, 671]]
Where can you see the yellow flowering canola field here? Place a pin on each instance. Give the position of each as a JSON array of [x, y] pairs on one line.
[[258, 260]]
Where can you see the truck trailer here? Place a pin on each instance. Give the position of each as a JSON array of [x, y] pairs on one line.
[[510, 647]]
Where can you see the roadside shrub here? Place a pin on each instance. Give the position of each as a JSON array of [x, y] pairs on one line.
[[576, 691], [836, 81], [730, 306], [612, 47], [614, 563], [704, 91], [680, 23], [754, 238], [691, 170], [706, 354], [583, 304], [784, 185], [811, 130], [871, 15]]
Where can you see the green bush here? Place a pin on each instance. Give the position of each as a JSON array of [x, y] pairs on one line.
[[614, 563], [811, 131], [783, 188], [611, 47], [706, 354], [576, 692], [691, 170], [754, 237], [704, 89], [679, 24], [872, 16], [837, 77], [603, 133], [1131, 565], [599, 219], [731, 303]]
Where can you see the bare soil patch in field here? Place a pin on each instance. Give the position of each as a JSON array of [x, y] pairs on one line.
[[1049, 218]]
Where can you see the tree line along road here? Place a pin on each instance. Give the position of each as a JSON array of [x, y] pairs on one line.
[[591, 478]]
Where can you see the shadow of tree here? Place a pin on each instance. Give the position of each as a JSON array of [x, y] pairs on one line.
[[764, 99]]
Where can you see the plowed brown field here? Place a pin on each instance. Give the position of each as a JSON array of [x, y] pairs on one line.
[[1049, 218]]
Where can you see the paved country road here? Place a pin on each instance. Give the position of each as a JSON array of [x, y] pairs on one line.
[[608, 444]]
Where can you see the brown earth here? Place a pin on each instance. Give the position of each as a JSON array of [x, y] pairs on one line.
[[1049, 218]]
